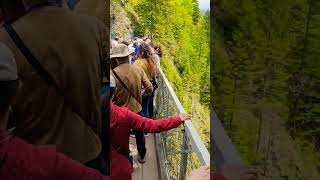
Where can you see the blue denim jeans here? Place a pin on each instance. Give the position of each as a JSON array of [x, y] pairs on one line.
[[145, 105], [104, 136]]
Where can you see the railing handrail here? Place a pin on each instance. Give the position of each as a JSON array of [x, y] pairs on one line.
[[197, 144], [221, 145]]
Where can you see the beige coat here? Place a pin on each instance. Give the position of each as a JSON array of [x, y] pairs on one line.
[[133, 77], [71, 48], [149, 68]]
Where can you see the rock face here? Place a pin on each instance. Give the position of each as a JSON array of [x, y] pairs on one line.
[[119, 20], [119, 17]]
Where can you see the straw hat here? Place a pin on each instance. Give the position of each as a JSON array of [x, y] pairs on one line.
[[112, 81], [120, 50]]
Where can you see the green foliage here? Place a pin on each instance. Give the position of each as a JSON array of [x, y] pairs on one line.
[[120, 23], [183, 32], [265, 78]]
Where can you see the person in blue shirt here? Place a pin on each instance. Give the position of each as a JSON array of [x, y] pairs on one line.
[[136, 46]]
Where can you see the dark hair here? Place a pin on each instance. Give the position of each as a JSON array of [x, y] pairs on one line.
[[158, 48], [145, 51], [135, 41], [8, 90]]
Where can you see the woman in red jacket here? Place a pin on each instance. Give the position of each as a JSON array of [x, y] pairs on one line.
[[121, 122], [20, 160]]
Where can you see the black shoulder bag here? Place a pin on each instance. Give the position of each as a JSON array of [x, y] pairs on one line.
[[154, 84]]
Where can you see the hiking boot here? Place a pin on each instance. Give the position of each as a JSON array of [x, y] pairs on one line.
[[141, 160]]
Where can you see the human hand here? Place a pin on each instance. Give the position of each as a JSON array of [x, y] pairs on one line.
[[184, 117], [203, 173], [239, 172]]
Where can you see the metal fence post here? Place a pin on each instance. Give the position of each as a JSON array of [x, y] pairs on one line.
[[221, 144], [184, 158]]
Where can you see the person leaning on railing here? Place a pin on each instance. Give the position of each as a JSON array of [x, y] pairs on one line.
[[121, 122], [157, 54]]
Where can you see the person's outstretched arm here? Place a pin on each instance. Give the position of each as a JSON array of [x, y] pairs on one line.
[[155, 126]]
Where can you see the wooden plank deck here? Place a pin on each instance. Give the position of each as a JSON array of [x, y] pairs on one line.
[[149, 170]]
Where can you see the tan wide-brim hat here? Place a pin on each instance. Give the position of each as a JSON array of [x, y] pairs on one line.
[[120, 50], [112, 81]]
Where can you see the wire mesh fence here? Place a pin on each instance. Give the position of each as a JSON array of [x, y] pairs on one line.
[[178, 152]]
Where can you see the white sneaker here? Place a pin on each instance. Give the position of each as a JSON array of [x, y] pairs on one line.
[[132, 135]]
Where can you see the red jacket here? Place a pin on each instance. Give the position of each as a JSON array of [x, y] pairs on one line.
[[121, 122], [20, 160]]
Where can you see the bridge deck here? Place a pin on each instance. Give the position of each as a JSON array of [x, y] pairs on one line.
[[150, 169]]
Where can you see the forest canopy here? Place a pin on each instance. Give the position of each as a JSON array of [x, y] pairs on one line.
[[266, 83]]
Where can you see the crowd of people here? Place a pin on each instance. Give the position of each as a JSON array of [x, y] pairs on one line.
[[133, 76], [67, 100]]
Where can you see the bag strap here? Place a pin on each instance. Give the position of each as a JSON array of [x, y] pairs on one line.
[[44, 74], [31, 59], [125, 86]]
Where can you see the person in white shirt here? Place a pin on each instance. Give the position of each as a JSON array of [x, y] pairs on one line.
[[157, 55]]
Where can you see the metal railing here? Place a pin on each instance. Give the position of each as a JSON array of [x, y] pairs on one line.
[[221, 146], [181, 149]]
